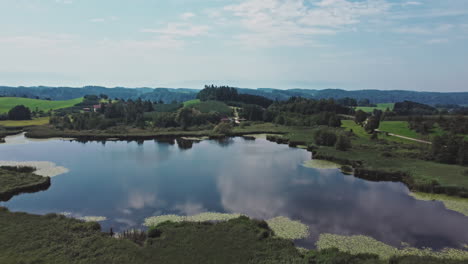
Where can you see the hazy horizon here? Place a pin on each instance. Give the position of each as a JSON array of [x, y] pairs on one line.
[[282, 44]]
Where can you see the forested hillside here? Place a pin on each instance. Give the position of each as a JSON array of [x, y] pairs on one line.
[[168, 95]]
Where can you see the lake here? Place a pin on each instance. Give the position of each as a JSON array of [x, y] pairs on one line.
[[129, 181]]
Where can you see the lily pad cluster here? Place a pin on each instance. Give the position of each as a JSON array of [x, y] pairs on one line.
[[363, 244]]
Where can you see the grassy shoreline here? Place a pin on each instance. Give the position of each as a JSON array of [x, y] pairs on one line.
[[377, 160]]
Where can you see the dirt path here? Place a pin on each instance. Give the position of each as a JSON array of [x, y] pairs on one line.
[[408, 138]]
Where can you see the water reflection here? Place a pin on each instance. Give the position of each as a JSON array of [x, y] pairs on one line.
[[129, 181]]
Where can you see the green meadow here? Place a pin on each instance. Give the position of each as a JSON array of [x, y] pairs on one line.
[[382, 107], [7, 103], [191, 102], [210, 106], [25, 123]]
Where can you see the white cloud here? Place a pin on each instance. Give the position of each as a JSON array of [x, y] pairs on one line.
[[64, 1], [438, 41], [418, 30], [411, 3], [186, 16], [103, 19], [97, 20], [180, 29], [293, 22]]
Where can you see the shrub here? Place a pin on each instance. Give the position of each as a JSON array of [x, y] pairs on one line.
[[19, 112], [347, 169], [343, 143], [223, 129], [324, 137], [154, 232]]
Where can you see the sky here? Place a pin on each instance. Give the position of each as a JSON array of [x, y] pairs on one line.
[[316, 44]]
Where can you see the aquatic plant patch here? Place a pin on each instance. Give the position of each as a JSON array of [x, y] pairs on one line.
[[203, 217], [93, 218], [320, 164], [43, 168], [287, 228], [451, 202], [367, 245]]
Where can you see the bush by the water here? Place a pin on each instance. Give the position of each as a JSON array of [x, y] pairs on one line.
[[223, 129], [19, 112]]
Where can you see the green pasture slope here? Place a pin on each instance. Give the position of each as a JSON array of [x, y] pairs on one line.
[[191, 102], [382, 107], [210, 106], [7, 103]]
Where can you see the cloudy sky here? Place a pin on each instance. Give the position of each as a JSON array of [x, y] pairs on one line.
[[349, 44]]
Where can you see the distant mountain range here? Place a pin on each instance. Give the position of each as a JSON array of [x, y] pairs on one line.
[[183, 94]]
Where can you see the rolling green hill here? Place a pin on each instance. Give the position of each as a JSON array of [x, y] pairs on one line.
[[7, 103]]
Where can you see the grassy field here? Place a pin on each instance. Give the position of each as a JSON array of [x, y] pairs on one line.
[[22, 123], [399, 128], [7, 103], [191, 102], [212, 106], [382, 107]]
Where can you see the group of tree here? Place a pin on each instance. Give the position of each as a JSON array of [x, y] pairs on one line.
[[450, 149], [324, 136], [369, 121], [230, 94], [407, 108], [138, 113], [298, 111]]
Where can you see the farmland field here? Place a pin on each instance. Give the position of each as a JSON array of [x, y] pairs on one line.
[[7, 103]]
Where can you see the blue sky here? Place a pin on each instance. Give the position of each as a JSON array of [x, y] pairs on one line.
[[349, 44]]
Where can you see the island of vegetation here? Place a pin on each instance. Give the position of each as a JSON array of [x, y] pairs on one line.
[[15, 180]]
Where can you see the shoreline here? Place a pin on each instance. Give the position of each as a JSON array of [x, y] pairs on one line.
[[347, 166]]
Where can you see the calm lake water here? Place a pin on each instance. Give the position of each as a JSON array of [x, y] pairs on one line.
[[129, 181]]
